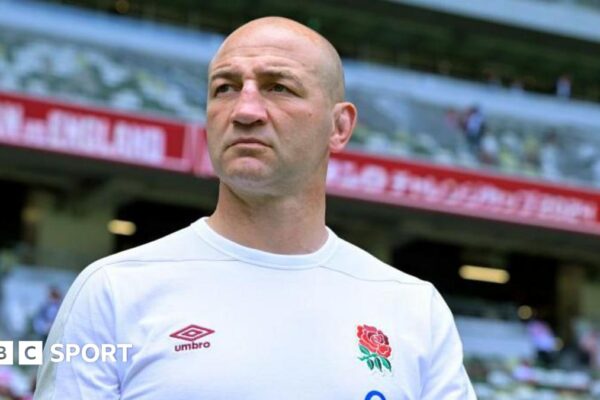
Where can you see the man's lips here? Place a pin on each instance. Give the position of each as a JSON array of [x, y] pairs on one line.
[[248, 141]]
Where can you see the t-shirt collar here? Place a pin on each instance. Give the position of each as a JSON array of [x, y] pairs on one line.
[[259, 257]]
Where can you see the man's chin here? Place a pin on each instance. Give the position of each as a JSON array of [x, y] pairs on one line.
[[247, 179]]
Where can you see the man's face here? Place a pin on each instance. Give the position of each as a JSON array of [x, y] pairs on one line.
[[269, 115]]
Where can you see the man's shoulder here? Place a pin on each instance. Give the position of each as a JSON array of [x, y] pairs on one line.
[[178, 246], [363, 265]]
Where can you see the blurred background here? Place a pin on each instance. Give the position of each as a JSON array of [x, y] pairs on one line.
[[475, 164]]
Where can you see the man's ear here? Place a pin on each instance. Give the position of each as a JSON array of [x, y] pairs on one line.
[[344, 115]]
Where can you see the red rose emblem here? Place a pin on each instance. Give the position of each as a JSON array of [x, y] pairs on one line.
[[374, 340]]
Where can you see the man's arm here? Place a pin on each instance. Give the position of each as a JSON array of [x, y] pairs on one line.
[[446, 376], [86, 316]]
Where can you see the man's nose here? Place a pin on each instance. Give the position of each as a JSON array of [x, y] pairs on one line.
[[250, 108]]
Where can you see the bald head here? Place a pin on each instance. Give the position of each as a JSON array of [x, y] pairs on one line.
[[312, 49]]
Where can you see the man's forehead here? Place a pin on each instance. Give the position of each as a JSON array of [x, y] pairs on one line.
[[260, 59], [281, 45]]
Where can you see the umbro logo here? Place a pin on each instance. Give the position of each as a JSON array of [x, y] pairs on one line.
[[192, 333]]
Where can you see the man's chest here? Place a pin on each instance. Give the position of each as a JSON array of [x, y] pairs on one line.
[[273, 343]]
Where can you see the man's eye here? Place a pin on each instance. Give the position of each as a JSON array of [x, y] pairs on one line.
[[222, 89], [279, 88]]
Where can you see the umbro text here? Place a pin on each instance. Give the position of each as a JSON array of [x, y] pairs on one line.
[[192, 346]]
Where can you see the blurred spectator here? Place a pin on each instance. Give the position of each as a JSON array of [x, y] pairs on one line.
[[544, 341], [563, 86], [473, 125], [42, 321]]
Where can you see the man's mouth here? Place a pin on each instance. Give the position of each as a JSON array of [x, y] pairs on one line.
[[248, 142]]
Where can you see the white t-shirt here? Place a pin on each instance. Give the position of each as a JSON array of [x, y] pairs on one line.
[[210, 319]]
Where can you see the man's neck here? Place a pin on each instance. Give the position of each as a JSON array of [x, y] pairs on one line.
[[282, 225]]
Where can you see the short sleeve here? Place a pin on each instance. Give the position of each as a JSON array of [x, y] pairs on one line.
[[446, 377], [86, 317]]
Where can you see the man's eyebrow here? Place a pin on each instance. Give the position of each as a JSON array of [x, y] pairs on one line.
[[281, 74], [267, 73], [224, 74]]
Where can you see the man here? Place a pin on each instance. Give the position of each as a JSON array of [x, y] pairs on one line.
[[261, 300]]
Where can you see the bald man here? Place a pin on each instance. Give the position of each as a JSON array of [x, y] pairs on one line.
[[260, 300]]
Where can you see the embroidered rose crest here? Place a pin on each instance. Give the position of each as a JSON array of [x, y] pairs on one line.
[[375, 347]]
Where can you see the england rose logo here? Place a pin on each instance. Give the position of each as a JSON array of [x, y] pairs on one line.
[[375, 347]]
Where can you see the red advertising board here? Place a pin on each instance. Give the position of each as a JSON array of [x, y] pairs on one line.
[[458, 191], [96, 133]]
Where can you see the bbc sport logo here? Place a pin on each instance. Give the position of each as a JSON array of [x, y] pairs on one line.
[[31, 352]]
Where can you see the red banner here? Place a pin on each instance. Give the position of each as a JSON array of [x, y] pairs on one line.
[[457, 191], [91, 132]]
